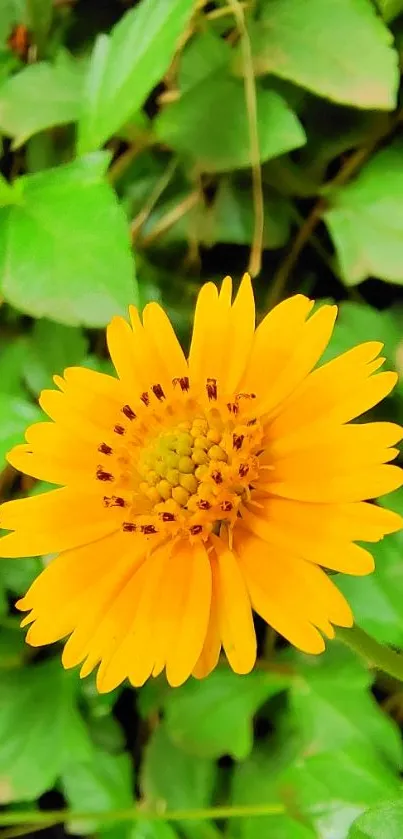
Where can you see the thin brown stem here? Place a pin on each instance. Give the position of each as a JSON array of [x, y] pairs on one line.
[[171, 218], [223, 11], [350, 167], [122, 163], [255, 260], [280, 280], [156, 193]]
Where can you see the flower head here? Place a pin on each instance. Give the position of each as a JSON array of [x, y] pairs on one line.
[[195, 490]]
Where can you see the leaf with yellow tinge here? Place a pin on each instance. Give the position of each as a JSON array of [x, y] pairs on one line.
[[339, 49]]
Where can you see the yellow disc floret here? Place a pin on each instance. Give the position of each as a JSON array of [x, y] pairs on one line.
[[194, 477]]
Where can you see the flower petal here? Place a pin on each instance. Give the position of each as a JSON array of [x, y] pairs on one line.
[[54, 454], [337, 392], [274, 342], [133, 652], [241, 329], [362, 484], [218, 326], [306, 353], [292, 595], [192, 620], [108, 617], [234, 611], [55, 521], [161, 334], [311, 539], [348, 440], [122, 352], [89, 404], [203, 349], [210, 653], [69, 588]]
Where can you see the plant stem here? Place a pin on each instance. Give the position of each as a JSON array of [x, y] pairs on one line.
[[255, 259], [375, 654], [52, 817], [278, 285], [156, 193]]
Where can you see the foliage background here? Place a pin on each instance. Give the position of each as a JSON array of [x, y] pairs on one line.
[[204, 138]]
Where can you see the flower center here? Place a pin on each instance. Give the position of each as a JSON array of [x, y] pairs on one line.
[[184, 462], [197, 474]]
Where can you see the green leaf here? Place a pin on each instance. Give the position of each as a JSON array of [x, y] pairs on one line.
[[52, 348], [377, 604], [18, 576], [214, 717], [365, 220], [255, 781], [103, 783], [332, 707], [126, 66], [3, 599], [314, 44], [106, 733], [11, 14], [40, 96], [15, 414], [12, 355], [153, 830], [333, 788], [231, 217], [382, 822], [8, 194], [8, 62], [173, 780], [41, 730], [204, 53], [13, 650], [210, 123], [390, 8], [334, 130], [64, 250]]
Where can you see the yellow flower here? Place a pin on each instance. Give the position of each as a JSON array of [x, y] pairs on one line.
[[195, 490]]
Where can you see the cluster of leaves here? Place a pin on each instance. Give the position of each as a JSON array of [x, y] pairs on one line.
[[164, 128]]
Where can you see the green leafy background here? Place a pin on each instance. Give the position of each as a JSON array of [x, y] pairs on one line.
[[145, 147]]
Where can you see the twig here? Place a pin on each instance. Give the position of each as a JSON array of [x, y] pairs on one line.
[[156, 193], [255, 260], [281, 277], [375, 655], [123, 162], [171, 218], [223, 11], [49, 818]]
